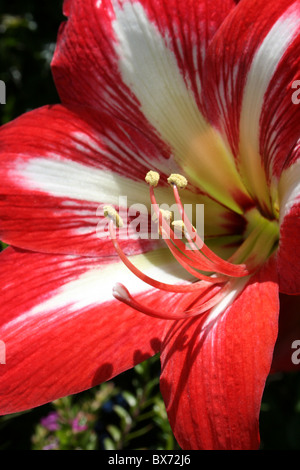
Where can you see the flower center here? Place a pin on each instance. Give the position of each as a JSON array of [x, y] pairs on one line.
[[214, 279]]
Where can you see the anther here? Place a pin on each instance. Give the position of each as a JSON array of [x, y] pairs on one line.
[[112, 214], [167, 215], [178, 180], [197, 260], [152, 178], [179, 226]]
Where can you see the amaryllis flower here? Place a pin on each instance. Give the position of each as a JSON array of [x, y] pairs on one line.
[[199, 90]]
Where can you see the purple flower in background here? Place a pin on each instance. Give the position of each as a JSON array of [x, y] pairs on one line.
[[50, 422], [79, 424], [52, 446]]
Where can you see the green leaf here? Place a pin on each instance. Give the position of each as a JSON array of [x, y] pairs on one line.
[[114, 432], [123, 414]]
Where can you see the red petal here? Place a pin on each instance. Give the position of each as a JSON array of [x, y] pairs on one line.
[[60, 167], [87, 48], [62, 329], [289, 243], [289, 253], [213, 376], [252, 62], [287, 348], [144, 61]]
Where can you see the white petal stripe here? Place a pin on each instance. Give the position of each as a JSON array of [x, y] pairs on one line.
[[94, 287], [61, 177], [289, 189], [149, 68], [261, 72]]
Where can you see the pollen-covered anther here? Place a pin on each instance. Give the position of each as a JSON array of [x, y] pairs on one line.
[[178, 180], [113, 215], [152, 178], [167, 215], [179, 226]]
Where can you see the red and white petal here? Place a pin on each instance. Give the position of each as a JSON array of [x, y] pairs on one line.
[[63, 330], [280, 115], [287, 349], [213, 373], [143, 62], [289, 242], [111, 46], [59, 168], [252, 62]]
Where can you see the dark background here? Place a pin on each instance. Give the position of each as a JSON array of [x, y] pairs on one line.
[[28, 32]]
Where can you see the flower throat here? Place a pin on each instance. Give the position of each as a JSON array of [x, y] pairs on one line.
[[214, 279]]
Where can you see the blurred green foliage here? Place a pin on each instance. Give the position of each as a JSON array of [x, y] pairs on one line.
[[125, 413], [28, 31], [128, 412]]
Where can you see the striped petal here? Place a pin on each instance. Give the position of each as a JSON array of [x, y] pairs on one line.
[[90, 43], [64, 332], [289, 243], [213, 373], [145, 63], [60, 167], [58, 170], [252, 62]]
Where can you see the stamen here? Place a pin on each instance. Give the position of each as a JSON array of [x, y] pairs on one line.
[[178, 180], [222, 266], [188, 266], [215, 295], [152, 282], [204, 264], [167, 215], [113, 215], [208, 290], [152, 178], [179, 225]]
